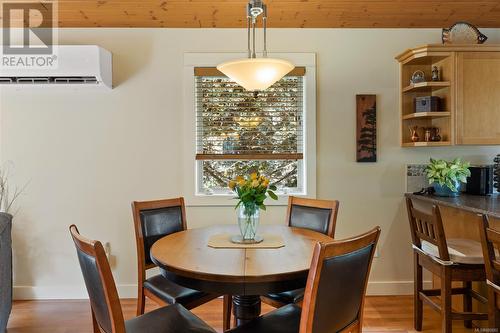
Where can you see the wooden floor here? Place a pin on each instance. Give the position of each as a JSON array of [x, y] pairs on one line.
[[382, 314]]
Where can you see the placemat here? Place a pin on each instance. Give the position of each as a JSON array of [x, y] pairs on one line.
[[223, 241]]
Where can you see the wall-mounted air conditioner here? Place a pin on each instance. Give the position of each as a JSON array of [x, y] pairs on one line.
[[67, 65]]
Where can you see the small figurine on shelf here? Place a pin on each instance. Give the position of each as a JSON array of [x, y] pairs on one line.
[[414, 133], [435, 73], [428, 134], [436, 137]]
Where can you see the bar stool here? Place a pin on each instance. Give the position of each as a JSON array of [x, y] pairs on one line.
[[449, 259], [490, 240]]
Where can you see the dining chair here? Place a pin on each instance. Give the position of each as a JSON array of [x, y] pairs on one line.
[[312, 214], [335, 291], [490, 241], [152, 221], [107, 315], [451, 260]]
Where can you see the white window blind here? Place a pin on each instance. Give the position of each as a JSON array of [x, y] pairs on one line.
[[238, 130]]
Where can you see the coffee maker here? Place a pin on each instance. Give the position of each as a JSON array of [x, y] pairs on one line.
[[480, 181]]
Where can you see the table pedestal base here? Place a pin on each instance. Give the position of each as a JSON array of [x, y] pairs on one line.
[[246, 308]]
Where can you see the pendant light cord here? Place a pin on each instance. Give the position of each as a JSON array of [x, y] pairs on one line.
[[249, 22], [264, 21], [254, 9], [254, 21]]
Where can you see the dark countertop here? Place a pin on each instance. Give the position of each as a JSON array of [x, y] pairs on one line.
[[489, 205]]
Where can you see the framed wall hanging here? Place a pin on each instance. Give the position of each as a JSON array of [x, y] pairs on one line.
[[366, 128]]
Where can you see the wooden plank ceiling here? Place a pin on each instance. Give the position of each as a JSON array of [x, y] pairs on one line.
[[282, 13]]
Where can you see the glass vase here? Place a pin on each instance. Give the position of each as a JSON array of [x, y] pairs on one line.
[[248, 221]]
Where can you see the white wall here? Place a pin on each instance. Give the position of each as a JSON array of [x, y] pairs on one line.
[[87, 155]]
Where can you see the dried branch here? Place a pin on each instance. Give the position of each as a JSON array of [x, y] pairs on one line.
[[6, 199], [293, 171], [214, 174]]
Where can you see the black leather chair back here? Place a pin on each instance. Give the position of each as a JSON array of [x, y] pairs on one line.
[[313, 218], [157, 223], [336, 286], [341, 290], [107, 315], [95, 289]]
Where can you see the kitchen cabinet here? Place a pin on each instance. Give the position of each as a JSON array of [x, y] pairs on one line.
[[478, 98], [469, 92]]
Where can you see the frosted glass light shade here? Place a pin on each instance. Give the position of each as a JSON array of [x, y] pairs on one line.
[[256, 73]]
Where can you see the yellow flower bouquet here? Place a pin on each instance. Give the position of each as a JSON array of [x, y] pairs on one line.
[[251, 191]]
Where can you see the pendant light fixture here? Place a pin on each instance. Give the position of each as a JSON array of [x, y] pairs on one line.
[[255, 73]]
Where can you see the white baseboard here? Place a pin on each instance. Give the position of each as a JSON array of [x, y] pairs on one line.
[[375, 288]]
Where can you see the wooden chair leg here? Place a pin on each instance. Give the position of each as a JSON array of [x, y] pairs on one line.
[[141, 300], [467, 302], [446, 300], [417, 286], [228, 302]]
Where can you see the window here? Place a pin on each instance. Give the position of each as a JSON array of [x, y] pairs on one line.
[[238, 132]]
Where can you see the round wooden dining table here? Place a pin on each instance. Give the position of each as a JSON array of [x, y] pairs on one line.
[[186, 259]]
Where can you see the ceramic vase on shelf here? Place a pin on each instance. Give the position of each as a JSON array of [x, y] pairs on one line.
[[414, 133], [5, 269], [248, 222]]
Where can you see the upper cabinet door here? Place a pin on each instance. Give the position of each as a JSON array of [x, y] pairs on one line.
[[478, 98]]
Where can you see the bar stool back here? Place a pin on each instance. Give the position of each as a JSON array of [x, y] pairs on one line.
[[490, 240], [449, 259]]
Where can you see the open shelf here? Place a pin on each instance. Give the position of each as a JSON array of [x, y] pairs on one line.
[[426, 144], [423, 60], [426, 86], [427, 115]]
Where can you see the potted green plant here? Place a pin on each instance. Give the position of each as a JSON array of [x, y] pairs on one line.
[[447, 177], [251, 191]]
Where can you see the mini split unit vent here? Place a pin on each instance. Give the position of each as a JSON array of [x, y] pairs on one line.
[[69, 65]]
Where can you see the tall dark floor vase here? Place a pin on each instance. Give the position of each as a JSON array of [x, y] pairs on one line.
[[5, 269]]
